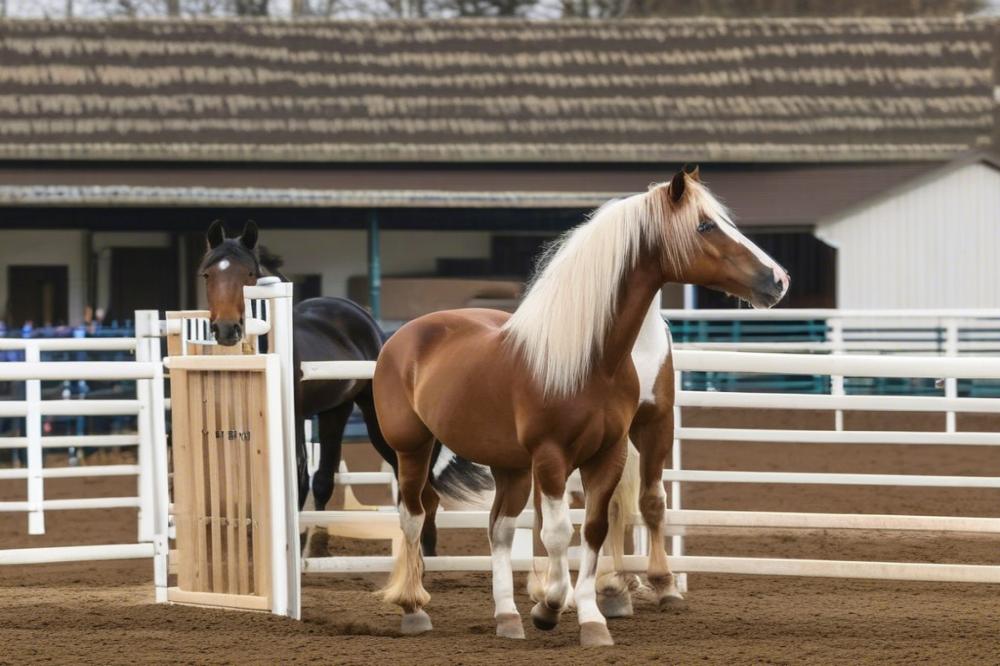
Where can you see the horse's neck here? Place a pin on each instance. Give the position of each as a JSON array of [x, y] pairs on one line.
[[637, 292]]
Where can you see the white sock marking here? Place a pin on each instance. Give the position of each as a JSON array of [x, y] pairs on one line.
[[503, 576], [557, 531], [586, 588]]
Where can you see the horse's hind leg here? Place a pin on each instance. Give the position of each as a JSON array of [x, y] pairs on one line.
[[428, 537], [405, 587], [512, 490], [600, 476]]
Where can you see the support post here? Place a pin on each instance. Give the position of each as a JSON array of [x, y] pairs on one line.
[[374, 266], [280, 343], [837, 381], [144, 422], [33, 430], [950, 383], [677, 541]]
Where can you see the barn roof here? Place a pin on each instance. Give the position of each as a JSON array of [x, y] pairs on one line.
[[915, 180], [777, 90]]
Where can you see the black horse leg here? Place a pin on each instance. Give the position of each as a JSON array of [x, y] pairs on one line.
[[331, 435], [301, 459], [366, 403]]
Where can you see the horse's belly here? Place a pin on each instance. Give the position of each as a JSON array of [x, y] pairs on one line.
[[468, 407]]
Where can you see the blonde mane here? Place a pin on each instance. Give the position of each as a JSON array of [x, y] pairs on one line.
[[564, 319]]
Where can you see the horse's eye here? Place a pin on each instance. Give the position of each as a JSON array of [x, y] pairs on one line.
[[705, 226], [205, 275]]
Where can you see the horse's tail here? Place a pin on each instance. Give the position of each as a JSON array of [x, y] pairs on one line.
[[271, 262], [466, 484]]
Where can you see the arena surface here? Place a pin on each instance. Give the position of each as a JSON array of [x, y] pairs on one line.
[[103, 612]]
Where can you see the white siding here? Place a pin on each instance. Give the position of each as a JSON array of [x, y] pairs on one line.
[[934, 246]]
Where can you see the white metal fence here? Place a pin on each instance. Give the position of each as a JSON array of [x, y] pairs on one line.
[[958, 328], [149, 441], [680, 520]]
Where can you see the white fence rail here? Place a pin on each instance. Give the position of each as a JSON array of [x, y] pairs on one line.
[[680, 520]]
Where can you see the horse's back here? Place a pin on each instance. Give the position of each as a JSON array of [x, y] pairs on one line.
[[328, 329], [333, 329]]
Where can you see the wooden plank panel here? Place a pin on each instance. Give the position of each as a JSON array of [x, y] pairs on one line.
[[184, 518], [262, 494], [216, 600], [198, 442], [230, 399], [213, 363], [243, 495], [214, 410]]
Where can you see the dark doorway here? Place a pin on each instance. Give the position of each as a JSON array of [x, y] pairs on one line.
[[306, 286], [39, 294], [142, 278], [811, 263]]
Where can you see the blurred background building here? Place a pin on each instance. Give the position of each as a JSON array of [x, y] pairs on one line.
[[443, 154]]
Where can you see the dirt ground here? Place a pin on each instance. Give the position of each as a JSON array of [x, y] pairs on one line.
[[103, 612]]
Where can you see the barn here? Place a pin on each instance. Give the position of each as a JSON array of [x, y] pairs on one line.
[[892, 249], [414, 166]]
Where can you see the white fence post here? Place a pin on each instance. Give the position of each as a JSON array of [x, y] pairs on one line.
[[33, 430], [280, 343], [144, 425], [837, 381], [154, 494], [950, 383], [677, 541]]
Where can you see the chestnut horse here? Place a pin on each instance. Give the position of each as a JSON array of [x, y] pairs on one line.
[[324, 329], [553, 387]]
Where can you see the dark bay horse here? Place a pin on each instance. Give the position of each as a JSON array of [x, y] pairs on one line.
[[324, 329], [555, 387]]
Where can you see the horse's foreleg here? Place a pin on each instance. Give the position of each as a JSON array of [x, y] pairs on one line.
[[614, 588], [654, 439], [512, 490], [331, 437], [550, 470], [600, 476]]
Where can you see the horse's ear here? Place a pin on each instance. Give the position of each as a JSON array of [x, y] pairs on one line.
[[693, 172], [215, 235], [677, 186], [249, 236]]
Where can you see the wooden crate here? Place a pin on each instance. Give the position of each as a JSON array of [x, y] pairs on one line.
[[224, 427]]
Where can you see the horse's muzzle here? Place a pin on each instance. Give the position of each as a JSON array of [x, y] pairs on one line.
[[227, 334]]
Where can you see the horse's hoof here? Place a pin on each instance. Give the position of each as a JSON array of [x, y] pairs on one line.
[[318, 543], [615, 604], [414, 623], [673, 601], [595, 634], [509, 626], [543, 617]]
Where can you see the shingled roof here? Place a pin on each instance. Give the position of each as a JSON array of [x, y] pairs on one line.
[[497, 90]]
